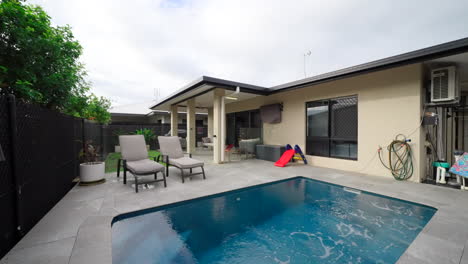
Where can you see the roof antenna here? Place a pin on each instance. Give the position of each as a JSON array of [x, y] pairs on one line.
[[308, 53]]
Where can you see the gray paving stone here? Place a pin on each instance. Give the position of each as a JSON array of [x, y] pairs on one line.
[[91, 255], [447, 228], [93, 236], [408, 259], [464, 259], [78, 227], [57, 252], [61, 222], [435, 250]]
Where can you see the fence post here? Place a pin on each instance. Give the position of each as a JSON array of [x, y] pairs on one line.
[[78, 143], [17, 179], [103, 141], [83, 136]]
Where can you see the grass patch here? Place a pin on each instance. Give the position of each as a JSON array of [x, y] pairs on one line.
[[112, 158]]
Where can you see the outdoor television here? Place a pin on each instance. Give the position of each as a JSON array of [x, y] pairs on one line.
[[271, 113]]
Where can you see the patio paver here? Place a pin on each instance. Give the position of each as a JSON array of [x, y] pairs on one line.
[[77, 230]]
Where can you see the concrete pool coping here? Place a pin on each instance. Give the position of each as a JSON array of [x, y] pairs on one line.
[[78, 229]]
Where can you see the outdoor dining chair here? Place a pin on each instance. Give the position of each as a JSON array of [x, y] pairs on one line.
[[172, 154], [229, 150], [135, 159]]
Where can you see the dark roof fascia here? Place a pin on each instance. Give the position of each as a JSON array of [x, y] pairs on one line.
[[442, 50], [230, 85], [181, 91], [126, 114], [430, 53], [225, 84]]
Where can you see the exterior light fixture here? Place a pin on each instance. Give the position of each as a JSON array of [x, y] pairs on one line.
[[231, 98]]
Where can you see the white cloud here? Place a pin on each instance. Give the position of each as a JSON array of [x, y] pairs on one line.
[[133, 47]]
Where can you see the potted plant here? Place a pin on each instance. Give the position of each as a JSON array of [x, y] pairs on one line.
[[91, 169], [148, 134]]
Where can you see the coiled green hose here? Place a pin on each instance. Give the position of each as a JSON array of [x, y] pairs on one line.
[[401, 166]]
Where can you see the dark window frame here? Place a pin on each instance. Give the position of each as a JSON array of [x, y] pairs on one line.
[[329, 138]]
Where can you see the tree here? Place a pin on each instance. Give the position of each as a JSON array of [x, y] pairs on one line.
[[90, 107], [39, 63]]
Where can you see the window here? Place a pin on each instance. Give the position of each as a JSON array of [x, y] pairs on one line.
[[332, 128]]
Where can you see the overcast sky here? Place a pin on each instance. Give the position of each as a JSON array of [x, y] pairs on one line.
[[132, 48]]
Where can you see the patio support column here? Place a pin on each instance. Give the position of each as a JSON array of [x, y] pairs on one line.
[[174, 120], [191, 129], [223, 129], [218, 109], [210, 122]]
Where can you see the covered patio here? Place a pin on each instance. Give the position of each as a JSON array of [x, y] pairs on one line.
[[211, 95]]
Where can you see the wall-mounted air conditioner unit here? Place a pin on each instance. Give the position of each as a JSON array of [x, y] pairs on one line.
[[444, 86]]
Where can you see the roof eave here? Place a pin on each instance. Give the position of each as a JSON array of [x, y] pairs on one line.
[[225, 84], [441, 50], [421, 55]]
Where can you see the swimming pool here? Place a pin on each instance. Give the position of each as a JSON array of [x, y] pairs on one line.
[[298, 220]]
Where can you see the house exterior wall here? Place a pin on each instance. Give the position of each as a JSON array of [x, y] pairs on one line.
[[156, 117], [389, 103], [129, 119], [165, 118]]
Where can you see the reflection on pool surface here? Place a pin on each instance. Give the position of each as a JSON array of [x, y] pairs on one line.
[[291, 221]]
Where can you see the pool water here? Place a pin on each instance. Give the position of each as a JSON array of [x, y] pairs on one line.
[[292, 221]]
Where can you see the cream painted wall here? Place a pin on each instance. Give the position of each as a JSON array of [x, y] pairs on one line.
[[389, 103]]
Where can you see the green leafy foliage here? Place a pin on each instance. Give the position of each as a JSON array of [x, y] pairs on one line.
[[119, 132], [97, 109], [147, 133], [89, 107], [39, 63]]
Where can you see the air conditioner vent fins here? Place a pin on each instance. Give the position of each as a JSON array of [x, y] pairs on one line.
[[444, 85]]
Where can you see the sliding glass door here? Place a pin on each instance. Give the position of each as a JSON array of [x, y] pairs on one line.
[[243, 125]]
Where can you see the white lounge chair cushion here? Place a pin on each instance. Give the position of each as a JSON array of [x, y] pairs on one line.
[[144, 166], [185, 163], [170, 146], [133, 147]]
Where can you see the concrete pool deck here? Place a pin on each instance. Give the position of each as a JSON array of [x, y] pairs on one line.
[[78, 229]]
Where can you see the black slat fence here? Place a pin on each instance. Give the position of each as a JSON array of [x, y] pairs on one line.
[[42, 148]]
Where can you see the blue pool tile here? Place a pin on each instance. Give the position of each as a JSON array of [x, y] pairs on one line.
[[291, 221]]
